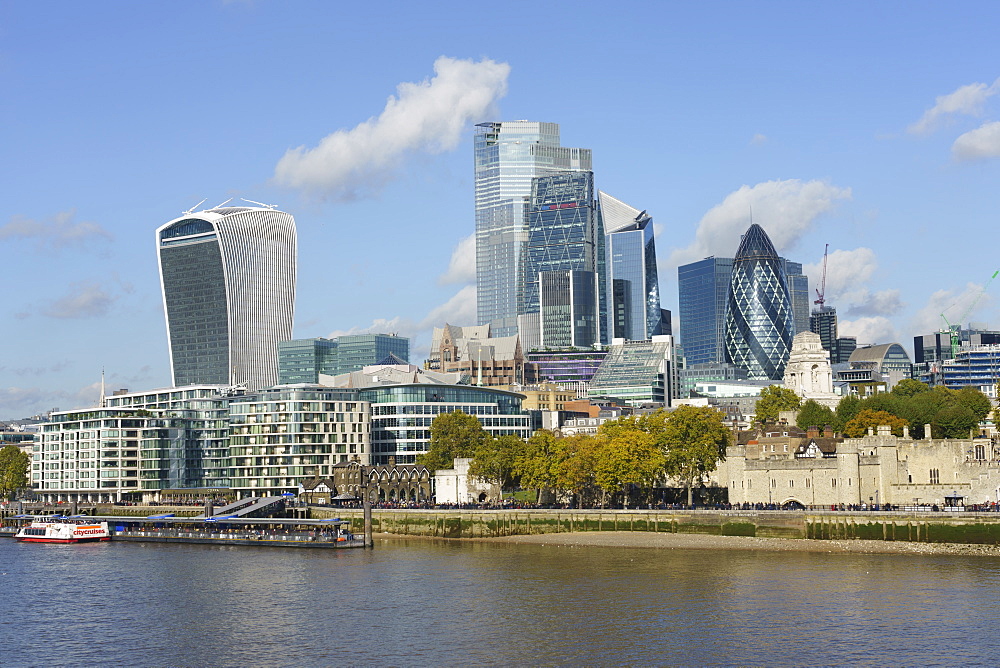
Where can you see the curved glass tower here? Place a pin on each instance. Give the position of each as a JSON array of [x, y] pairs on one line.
[[759, 320], [633, 282], [228, 281]]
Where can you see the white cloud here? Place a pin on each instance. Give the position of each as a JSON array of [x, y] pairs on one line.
[[968, 100], [785, 209], [868, 330], [56, 232], [462, 268], [398, 325], [22, 402], [430, 115], [85, 300], [959, 307], [978, 144], [459, 310], [758, 139], [847, 275], [846, 270]]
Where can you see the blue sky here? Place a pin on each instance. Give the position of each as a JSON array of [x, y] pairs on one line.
[[874, 127]]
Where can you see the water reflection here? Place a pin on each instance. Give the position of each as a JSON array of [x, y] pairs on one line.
[[415, 602]]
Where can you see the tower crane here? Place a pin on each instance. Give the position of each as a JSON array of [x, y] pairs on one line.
[[821, 290], [954, 330]]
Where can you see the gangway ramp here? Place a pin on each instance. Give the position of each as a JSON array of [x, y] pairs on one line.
[[231, 508], [261, 507]]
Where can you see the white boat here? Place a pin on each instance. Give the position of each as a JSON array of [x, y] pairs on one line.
[[63, 532]]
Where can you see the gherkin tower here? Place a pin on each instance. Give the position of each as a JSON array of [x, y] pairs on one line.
[[759, 320]]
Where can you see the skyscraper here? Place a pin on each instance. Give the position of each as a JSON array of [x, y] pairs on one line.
[[508, 155], [798, 295], [563, 263], [633, 283], [759, 325], [228, 282], [703, 292]]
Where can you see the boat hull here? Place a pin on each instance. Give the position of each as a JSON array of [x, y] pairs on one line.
[[39, 539]]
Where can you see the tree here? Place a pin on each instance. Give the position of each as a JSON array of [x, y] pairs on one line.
[[629, 459], [495, 461], [773, 400], [695, 441], [955, 421], [14, 463], [847, 408], [909, 387], [453, 435], [866, 418], [975, 401], [813, 414], [537, 462], [575, 462]]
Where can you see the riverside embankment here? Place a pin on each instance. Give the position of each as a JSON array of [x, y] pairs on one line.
[[896, 526]]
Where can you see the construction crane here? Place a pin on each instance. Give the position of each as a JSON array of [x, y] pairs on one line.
[[821, 290], [954, 330]]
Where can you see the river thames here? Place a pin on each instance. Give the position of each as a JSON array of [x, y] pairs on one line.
[[423, 602]]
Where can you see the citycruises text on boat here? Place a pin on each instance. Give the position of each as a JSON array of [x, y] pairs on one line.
[[63, 532]]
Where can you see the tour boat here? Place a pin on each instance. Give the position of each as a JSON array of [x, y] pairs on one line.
[[63, 532]]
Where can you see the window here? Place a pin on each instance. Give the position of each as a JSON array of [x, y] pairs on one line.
[[935, 476]]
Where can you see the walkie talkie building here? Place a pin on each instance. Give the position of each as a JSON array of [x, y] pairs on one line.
[[228, 281], [759, 320]]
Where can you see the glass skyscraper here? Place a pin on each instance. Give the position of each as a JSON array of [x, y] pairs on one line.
[[560, 276], [228, 282], [798, 294], [703, 293], [759, 318], [633, 283], [508, 155]]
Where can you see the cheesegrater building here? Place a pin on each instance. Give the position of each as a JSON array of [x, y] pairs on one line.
[[228, 281], [759, 318]]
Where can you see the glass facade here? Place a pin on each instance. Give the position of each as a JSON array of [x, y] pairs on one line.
[[703, 294], [508, 155], [633, 281], [567, 367], [194, 295], [569, 316], [638, 372], [562, 230], [228, 282], [759, 324], [402, 416], [304, 360], [798, 295]]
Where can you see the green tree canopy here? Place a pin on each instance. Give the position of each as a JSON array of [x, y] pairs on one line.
[[955, 421], [575, 462], [14, 463], [773, 400], [813, 414], [536, 463], [453, 435], [847, 408], [866, 418], [496, 460], [908, 387], [696, 441], [629, 459]]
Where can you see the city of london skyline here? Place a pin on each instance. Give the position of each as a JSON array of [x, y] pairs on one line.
[[894, 171]]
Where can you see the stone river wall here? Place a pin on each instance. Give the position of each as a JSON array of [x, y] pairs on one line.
[[978, 528]]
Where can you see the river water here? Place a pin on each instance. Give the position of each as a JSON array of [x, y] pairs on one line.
[[423, 602]]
